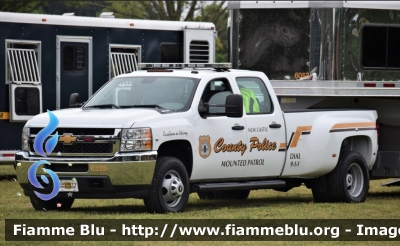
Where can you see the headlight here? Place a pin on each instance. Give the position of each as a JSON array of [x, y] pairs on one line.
[[25, 138], [136, 139]]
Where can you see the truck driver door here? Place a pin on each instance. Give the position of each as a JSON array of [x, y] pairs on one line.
[[265, 129], [74, 72], [220, 141]]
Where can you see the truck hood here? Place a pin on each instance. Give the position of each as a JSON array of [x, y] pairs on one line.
[[95, 118]]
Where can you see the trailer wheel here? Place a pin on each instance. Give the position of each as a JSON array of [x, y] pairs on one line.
[[205, 195], [320, 190], [231, 194], [53, 204], [349, 181], [169, 190]]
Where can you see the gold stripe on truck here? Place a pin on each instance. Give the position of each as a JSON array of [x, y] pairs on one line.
[[360, 126], [294, 139], [282, 146], [300, 130]]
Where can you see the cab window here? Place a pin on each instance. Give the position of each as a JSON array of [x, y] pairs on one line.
[[256, 99]]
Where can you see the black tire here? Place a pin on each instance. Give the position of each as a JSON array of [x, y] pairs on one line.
[[231, 194], [169, 190], [321, 190], [349, 181], [39, 204], [205, 195]]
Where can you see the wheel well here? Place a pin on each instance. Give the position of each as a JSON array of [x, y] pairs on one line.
[[180, 149], [360, 144]]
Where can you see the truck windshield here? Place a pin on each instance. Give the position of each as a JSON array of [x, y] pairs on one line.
[[168, 93]]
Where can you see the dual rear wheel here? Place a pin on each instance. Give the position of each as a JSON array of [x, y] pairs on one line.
[[348, 182]]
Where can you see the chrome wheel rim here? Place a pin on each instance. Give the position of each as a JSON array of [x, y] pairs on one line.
[[172, 189], [355, 180]]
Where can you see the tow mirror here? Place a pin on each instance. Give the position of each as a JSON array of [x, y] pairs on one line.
[[234, 106], [202, 108], [74, 100]]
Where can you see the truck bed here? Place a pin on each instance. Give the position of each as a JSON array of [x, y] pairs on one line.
[[336, 88], [288, 110]]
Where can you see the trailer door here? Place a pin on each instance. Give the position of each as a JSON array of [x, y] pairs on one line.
[[23, 77], [74, 74]]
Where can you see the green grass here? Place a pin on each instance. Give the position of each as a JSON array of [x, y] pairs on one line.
[[382, 203]]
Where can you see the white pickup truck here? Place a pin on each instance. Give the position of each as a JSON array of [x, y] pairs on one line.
[[162, 133]]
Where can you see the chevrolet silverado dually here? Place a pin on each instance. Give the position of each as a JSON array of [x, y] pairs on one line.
[[169, 130]]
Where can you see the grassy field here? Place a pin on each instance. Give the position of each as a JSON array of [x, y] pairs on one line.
[[382, 203]]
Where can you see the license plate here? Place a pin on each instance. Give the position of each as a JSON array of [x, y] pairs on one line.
[[68, 185]]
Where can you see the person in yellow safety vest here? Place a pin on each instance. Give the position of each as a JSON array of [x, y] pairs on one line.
[[249, 100]]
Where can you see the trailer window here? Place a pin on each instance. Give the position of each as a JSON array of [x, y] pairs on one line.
[[380, 47], [199, 51], [27, 101], [23, 62], [123, 59], [256, 99], [74, 58], [171, 53], [274, 41]]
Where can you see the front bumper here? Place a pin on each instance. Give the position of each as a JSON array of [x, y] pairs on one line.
[[7, 157], [122, 176]]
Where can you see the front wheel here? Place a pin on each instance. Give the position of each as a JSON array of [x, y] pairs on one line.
[[349, 181], [169, 190]]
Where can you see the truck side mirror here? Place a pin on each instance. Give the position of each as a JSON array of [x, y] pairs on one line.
[[234, 106], [74, 100], [202, 109]]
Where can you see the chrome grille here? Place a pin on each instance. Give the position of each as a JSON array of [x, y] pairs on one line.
[[103, 144], [84, 148], [77, 131]]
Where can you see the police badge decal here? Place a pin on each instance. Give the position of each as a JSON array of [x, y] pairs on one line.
[[204, 146]]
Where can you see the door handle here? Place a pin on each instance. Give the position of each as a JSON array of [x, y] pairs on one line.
[[274, 125], [237, 127]]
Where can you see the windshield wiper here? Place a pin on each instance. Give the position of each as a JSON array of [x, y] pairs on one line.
[[104, 106], [143, 106]]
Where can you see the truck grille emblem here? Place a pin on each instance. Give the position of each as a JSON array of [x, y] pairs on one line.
[[67, 139]]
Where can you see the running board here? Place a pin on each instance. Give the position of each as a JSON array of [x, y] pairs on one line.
[[392, 183], [250, 185]]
